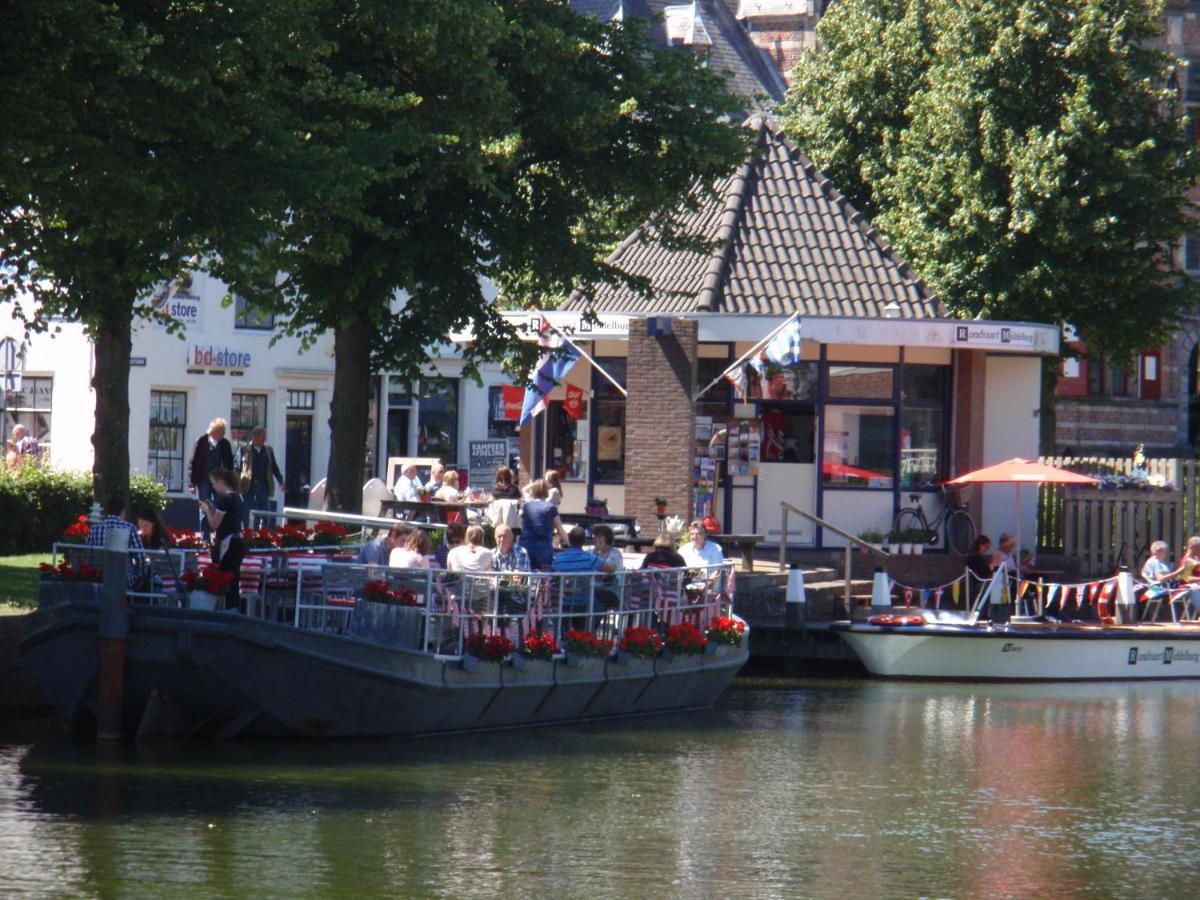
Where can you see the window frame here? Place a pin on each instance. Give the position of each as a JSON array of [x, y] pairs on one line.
[[248, 317], [179, 429]]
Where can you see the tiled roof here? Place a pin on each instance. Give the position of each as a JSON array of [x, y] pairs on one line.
[[715, 30], [783, 240]]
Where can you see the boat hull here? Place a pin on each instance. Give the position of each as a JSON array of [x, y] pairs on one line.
[[984, 653], [199, 673]]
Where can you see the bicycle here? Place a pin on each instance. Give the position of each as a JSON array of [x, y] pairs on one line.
[[959, 527]]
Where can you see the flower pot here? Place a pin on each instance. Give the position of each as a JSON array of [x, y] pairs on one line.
[[387, 623], [51, 593], [661, 509], [470, 663], [578, 660], [202, 600], [906, 549], [519, 662], [918, 549], [713, 648]]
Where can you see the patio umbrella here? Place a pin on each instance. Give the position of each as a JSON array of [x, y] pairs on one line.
[[1019, 471]]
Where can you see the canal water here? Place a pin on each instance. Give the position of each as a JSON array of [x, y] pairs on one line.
[[797, 788]]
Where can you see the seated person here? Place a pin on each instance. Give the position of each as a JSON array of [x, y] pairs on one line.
[[408, 485], [978, 560], [1157, 571], [470, 556], [413, 553], [664, 555], [509, 556], [1003, 557], [1027, 564], [602, 538], [575, 558], [700, 551], [505, 487], [379, 551], [448, 492], [114, 521], [1189, 563], [456, 533]]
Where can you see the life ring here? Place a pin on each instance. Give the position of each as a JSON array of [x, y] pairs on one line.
[[890, 619]]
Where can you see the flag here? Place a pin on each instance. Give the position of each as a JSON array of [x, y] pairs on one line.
[[784, 348], [573, 405], [737, 377], [551, 368]]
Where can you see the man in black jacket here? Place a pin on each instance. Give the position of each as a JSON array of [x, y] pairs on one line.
[[212, 451]]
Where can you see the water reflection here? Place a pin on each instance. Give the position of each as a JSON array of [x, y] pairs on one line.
[[849, 788]]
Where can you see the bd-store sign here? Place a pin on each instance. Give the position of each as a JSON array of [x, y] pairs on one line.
[[183, 306]]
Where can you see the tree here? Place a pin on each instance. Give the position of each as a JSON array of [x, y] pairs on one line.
[[487, 141], [1027, 158], [127, 130]]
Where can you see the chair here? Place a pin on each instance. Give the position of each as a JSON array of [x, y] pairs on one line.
[[316, 497], [374, 492]]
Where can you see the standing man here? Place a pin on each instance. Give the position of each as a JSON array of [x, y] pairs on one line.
[[408, 486], [25, 443], [259, 474], [212, 451]]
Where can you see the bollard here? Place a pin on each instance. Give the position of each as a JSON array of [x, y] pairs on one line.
[[112, 629], [1126, 612], [796, 600], [881, 592]]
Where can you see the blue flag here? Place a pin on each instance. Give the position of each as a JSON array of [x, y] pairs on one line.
[[550, 370], [784, 348]]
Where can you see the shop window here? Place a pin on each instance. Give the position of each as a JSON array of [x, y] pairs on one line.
[[1119, 382], [437, 420], [305, 400], [502, 418], [399, 413], [860, 447], [608, 407], [246, 412], [925, 384], [1095, 376], [248, 315], [715, 401], [168, 438], [796, 382], [922, 433], [861, 382], [565, 447], [789, 433], [30, 406]]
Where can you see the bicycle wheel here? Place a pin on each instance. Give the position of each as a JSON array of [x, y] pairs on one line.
[[909, 519], [960, 531]]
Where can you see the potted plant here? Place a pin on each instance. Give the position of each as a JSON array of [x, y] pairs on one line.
[[638, 643], [871, 536], [491, 648], [77, 531], [893, 542], [536, 646], [596, 506], [328, 534], [660, 506], [386, 616], [424, 495], [183, 539], [916, 538], [206, 587], [65, 583], [683, 639], [583, 645], [258, 539], [724, 631]]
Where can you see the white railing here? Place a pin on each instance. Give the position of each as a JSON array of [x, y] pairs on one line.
[[445, 609]]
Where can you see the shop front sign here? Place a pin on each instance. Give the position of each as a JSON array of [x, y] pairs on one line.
[[210, 357]]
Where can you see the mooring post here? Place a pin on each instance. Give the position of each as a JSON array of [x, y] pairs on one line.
[[112, 630], [794, 600]]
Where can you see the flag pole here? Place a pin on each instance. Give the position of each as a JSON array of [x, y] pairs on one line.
[[595, 365], [741, 361]]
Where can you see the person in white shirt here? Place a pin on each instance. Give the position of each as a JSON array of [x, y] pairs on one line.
[[436, 471], [414, 554], [408, 487], [700, 551], [1156, 569], [471, 556]]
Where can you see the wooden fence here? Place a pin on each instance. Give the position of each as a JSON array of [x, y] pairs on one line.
[[1104, 528]]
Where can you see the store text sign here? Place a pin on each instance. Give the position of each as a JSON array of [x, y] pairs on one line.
[[211, 357], [985, 335], [183, 307]]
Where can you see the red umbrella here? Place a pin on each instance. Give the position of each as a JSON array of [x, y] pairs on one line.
[[1019, 471]]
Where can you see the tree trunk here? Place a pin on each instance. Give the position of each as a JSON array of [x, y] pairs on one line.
[[110, 438], [1047, 422], [348, 416]]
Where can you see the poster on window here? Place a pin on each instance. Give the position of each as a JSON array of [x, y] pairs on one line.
[[485, 457], [744, 446], [705, 481], [608, 443]]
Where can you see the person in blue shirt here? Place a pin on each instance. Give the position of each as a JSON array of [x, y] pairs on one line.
[[575, 558], [376, 552], [539, 524]]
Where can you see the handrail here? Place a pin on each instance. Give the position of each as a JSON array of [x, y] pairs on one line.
[[785, 508], [318, 515]]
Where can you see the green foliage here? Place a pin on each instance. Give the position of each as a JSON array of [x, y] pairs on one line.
[[19, 579], [44, 501], [1027, 158]]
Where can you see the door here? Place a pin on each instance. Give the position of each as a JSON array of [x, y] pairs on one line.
[[298, 460]]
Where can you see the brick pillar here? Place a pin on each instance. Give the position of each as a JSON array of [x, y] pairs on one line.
[[970, 373], [660, 420]]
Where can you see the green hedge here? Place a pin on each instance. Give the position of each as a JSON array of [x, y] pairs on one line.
[[39, 503]]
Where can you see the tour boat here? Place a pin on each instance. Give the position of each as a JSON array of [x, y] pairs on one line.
[[343, 666], [925, 643]]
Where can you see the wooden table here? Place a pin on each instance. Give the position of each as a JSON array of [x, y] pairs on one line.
[[745, 544], [433, 510], [587, 520]]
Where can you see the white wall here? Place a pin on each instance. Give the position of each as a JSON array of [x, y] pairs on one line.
[[855, 511], [1012, 399]]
